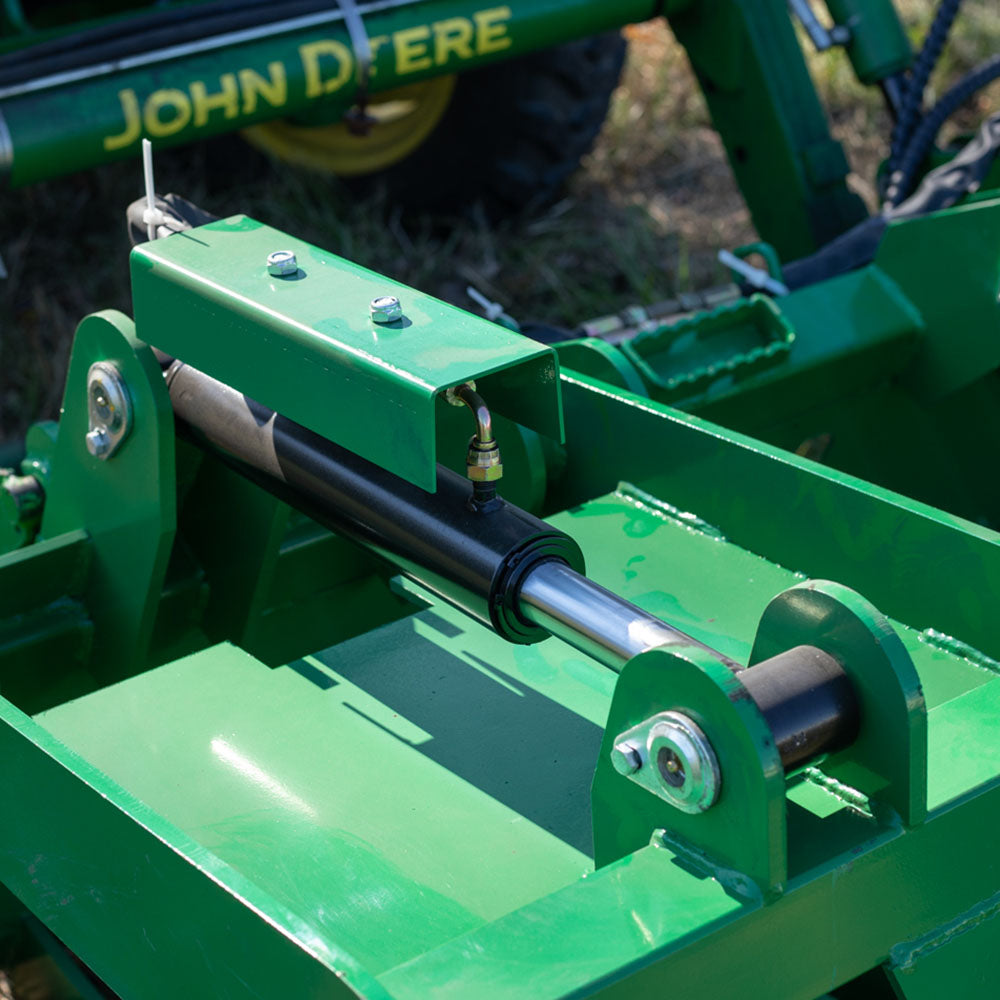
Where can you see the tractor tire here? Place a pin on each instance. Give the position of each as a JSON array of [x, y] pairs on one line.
[[507, 135]]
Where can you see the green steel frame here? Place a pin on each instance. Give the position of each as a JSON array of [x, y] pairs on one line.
[[242, 757], [240, 751]]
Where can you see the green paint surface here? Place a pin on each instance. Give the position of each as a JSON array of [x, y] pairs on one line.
[[306, 345], [426, 781]]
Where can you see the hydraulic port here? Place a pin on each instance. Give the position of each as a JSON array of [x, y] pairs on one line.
[[483, 465]]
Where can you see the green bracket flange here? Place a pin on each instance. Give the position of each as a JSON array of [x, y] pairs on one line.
[[126, 502], [888, 760], [742, 839]]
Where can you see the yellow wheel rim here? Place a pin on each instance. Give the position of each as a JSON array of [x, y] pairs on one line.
[[403, 119]]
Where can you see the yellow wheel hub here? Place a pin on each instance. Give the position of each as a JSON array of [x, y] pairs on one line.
[[404, 118]]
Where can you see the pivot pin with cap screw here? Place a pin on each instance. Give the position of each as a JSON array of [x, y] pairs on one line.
[[386, 309], [282, 263], [109, 409], [671, 757]]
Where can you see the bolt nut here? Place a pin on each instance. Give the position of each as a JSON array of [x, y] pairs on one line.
[[98, 442], [626, 758], [482, 461], [282, 263], [386, 309], [484, 474]]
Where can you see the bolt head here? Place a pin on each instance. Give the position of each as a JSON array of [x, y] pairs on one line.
[[98, 442], [282, 263], [626, 758], [386, 309]]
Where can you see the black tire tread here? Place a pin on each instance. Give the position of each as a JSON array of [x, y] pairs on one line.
[[514, 132]]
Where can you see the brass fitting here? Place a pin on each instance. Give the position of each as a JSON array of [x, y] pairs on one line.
[[482, 461]]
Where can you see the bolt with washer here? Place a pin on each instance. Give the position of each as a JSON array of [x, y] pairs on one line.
[[109, 409], [386, 309], [282, 263]]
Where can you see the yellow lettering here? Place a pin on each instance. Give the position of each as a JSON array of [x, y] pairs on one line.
[[491, 33], [160, 99], [452, 37], [376, 43], [133, 122], [227, 99], [274, 89], [411, 49], [311, 55]]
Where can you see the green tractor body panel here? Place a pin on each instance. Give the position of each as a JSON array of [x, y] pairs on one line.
[[744, 52]]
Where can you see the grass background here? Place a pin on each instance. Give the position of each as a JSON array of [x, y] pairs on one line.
[[641, 220]]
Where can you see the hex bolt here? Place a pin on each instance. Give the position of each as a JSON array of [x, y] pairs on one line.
[[386, 309], [98, 442], [626, 758], [282, 263]]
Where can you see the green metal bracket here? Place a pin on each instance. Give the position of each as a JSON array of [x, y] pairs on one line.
[[741, 839], [878, 46], [763, 103], [939, 260], [46, 634], [125, 502], [306, 345], [599, 359], [888, 760]]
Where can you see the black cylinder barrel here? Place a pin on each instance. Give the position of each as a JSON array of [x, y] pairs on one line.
[[472, 559]]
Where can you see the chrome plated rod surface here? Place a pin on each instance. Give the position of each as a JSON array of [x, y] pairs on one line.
[[594, 620]]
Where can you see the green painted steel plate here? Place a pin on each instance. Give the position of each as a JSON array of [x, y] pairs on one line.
[[419, 782], [307, 347]]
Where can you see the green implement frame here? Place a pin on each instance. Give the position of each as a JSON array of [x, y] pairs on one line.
[[243, 757], [253, 746]]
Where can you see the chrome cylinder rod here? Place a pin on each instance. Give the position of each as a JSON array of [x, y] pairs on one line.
[[594, 620]]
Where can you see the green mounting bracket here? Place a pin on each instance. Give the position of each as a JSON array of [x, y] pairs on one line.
[[741, 840], [599, 359], [125, 502], [888, 760], [306, 345]]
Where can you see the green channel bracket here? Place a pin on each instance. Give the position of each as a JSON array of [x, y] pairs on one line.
[[306, 345]]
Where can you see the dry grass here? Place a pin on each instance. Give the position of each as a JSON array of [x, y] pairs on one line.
[[641, 221]]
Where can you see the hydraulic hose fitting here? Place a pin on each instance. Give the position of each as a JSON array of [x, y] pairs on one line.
[[483, 466]]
